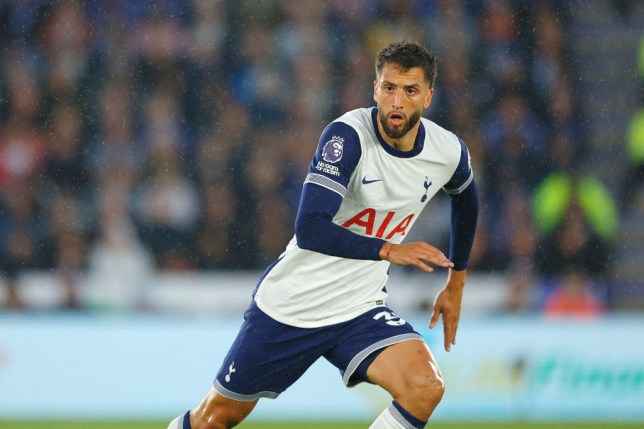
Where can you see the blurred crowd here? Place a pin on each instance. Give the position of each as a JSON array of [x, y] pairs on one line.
[[175, 135]]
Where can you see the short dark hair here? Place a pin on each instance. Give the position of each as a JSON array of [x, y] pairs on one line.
[[407, 54]]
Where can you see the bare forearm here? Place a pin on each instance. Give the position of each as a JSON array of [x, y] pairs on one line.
[[456, 278]]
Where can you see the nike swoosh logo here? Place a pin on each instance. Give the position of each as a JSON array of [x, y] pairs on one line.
[[366, 182]]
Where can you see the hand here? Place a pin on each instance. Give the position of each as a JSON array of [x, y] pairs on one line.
[[448, 303], [417, 254]]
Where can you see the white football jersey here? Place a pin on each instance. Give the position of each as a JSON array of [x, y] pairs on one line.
[[385, 193]]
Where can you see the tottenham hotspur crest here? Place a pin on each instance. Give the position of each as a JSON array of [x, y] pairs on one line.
[[231, 369], [427, 184], [333, 149]]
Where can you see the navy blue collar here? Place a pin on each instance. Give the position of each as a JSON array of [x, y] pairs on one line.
[[418, 144]]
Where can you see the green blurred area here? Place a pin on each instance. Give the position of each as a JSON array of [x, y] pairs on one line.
[[42, 424]]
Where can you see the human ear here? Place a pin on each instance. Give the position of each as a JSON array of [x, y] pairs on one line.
[[375, 90], [428, 97]]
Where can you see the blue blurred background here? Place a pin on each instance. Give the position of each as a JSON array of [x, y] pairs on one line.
[[152, 156]]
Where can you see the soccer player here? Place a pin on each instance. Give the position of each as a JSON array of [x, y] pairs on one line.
[[373, 172]]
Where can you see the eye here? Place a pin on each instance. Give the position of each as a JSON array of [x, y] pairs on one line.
[[411, 91], [389, 88]]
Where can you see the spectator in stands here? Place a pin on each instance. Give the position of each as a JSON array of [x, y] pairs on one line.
[[23, 242], [573, 297], [264, 175], [65, 165], [179, 102], [114, 151], [633, 178], [565, 201], [117, 262], [65, 41], [216, 229], [522, 288], [21, 133], [69, 228], [514, 136], [12, 299], [256, 81], [166, 210], [577, 219]]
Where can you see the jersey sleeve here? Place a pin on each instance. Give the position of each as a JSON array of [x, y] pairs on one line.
[[464, 210], [335, 159], [463, 174]]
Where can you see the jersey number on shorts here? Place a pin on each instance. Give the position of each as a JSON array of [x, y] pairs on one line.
[[391, 318]]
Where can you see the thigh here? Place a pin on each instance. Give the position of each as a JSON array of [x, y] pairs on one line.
[[397, 367], [267, 357], [360, 341]]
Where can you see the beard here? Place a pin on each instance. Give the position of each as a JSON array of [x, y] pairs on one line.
[[398, 132]]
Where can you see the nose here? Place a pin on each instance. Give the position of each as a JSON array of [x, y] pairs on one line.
[[397, 101]]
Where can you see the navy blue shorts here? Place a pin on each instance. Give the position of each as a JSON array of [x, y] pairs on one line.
[[268, 356]]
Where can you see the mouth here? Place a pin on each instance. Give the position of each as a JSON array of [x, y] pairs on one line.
[[396, 119]]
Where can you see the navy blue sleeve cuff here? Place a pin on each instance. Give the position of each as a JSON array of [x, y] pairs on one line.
[[465, 208], [315, 230]]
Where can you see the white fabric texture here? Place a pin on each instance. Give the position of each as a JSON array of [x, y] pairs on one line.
[[177, 423], [386, 421], [384, 197]]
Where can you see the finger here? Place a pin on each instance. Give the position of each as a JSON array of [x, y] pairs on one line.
[[437, 258], [441, 259], [449, 332], [440, 262], [454, 334], [446, 335], [434, 320], [420, 264]]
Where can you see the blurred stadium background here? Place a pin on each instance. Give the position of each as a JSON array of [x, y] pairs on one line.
[[151, 159]]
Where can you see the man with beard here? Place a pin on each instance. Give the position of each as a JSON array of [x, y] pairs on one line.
[[374, 171]]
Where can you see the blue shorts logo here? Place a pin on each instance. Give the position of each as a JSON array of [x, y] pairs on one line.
[[231, 369]]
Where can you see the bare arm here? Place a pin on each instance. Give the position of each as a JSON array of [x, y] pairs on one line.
[[448, 300], [448, 303]]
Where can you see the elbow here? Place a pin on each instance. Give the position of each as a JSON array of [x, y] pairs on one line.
[[303, 235], [311, 230], [301, 240]]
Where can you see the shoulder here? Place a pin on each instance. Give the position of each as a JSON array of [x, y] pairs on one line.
[[443, 141], [453, 151], [348, 130], [358, 119], [437, 132], [340, 146]]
